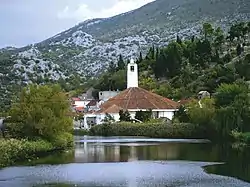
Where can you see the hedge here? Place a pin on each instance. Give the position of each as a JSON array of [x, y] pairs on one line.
[[80, 132], [159, 130]]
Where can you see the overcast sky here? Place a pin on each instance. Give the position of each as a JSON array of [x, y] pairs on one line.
[[29, 21]]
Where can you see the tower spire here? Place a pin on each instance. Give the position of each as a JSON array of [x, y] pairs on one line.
[[132, 74]]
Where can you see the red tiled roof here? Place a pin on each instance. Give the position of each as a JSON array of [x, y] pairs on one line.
[[79, 108], [110, 110], [76, 99], [139, 98]]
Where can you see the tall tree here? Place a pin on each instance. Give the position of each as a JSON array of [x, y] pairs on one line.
[[232, 102], [140, 58], [41, 112], [219, 39], [120, 63], [208, 30], [178, 40], [174, 58]]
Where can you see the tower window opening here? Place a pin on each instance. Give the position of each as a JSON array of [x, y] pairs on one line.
[[132, 68]]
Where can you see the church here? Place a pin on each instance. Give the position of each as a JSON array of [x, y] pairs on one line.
[[133, 99]]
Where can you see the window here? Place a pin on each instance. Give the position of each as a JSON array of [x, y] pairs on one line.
[[132, 68]]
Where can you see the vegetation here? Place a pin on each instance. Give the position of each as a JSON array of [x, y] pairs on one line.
[[40, 122], [216, 62], [13, 150], [80, 132], [143, 116], [154, 130], [185, 67], [124, 115]]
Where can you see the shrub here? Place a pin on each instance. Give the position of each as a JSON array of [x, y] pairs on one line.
[[80, 132], [62, 141], [241, 137], [155, 130], [14, 150]]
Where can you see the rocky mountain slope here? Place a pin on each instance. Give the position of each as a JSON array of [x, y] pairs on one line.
[[90, 46]]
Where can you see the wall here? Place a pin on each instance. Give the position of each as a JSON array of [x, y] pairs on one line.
[[81, 103], [100, 118], [116, 116], [106, 95], [132, 75], [91, 121], [77, 124], [166, 114], [161, 113]]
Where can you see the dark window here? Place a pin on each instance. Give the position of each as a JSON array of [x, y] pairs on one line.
[[132, 68]]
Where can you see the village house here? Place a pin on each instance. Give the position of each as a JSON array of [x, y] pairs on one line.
[[87, 103], [132, 99]]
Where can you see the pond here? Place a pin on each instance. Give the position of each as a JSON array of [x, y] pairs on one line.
[[134, 162]]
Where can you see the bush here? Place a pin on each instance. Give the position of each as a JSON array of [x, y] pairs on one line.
[[80, 132], [241, 137], [154, 130], [14, 150], [62, 141]]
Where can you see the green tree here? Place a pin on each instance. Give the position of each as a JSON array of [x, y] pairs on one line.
[[143, 116], [124, 115], [41, 112], [219, 39], [243, 67], [202, 113], [108, 118], [239, 49], [178, 40], [112, 67], [148, 83], [232, 102], [227, 93], [237, 30], [182, 115], [120, 63], [208, 30]]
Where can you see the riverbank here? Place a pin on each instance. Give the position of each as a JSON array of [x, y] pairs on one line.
[[152, 130], [15, 150]]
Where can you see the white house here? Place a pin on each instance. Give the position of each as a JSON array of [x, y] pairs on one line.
[[106, 95], [133, 99]]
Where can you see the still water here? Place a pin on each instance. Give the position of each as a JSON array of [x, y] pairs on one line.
[[135, 162]]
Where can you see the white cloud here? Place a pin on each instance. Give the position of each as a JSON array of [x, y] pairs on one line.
[[84, 12]]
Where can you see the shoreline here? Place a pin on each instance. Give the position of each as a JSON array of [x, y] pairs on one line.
[[15, 151]]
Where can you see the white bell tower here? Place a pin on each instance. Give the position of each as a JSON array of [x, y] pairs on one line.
[[132, 74]]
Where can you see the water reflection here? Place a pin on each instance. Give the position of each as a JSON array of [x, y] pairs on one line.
[[124, 152], [114, 161]]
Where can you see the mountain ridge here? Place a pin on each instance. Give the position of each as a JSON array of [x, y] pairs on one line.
[[87, 49]]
